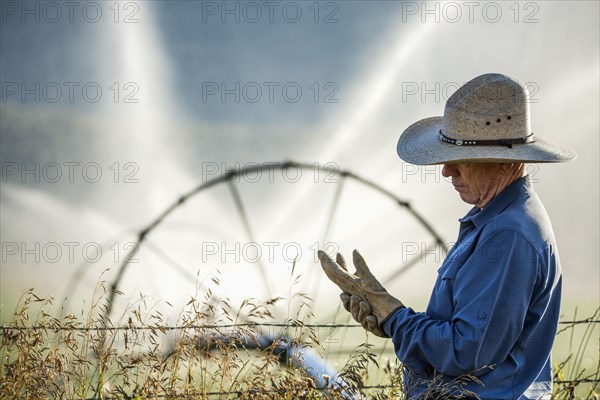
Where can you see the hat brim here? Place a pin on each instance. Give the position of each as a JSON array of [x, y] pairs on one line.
[[420, 144]]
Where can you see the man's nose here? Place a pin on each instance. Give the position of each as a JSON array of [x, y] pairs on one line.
[[449, 170]]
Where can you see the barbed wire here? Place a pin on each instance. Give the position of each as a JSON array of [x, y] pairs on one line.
[[583, 321], [8, 327], [175, 327], [130, 327]]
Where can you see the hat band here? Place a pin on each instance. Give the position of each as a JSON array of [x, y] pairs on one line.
[[499, 142]]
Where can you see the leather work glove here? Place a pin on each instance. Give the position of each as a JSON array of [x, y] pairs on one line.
[[361, 312], [362, 283]]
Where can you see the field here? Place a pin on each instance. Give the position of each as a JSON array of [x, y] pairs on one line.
[[218, 350]]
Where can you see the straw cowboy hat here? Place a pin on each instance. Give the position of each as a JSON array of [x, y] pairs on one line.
[[485, 120]]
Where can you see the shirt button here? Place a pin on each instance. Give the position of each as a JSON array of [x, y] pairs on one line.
[[482, 315]]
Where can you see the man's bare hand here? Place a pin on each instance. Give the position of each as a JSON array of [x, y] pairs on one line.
[[362, 283]]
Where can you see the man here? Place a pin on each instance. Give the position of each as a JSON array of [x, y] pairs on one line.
[[494, 309]]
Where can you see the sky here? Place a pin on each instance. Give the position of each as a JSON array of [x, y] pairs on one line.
[[111, 111]]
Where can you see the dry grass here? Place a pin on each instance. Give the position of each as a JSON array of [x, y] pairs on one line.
[[215, 350]]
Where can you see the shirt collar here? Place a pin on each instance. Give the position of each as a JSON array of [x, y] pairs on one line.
[[481, 216]]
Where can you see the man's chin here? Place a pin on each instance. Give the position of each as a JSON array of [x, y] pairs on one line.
[[467, 199]]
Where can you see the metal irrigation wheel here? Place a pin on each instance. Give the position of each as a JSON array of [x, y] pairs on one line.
[[229, 179]]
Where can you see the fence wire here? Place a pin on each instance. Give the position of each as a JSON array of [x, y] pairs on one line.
[[165, 328]]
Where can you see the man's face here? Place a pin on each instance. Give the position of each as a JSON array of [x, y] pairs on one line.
[[472, 181]]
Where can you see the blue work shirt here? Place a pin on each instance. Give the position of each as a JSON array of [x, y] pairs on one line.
[[494, 309]]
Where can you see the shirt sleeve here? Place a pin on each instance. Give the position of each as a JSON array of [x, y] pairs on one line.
[[491, 293]]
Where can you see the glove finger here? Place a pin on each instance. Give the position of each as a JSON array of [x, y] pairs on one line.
[[355, 306], [373, 326], [363, 271], [363, 323], [360, 264], [336, 274], [363, 311], [345, 300], [339, 258]]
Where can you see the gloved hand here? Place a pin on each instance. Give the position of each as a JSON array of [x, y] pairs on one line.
[[362, 283], [361, 312]]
